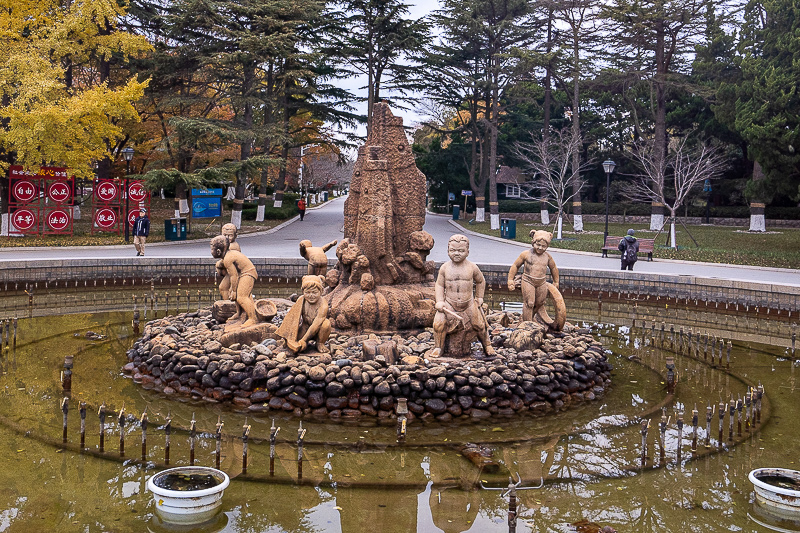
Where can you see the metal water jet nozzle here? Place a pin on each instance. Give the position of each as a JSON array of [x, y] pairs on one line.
[[402, 418], [695, 420], [143, 423], [218, 450], [122, 432], [101, 413], [66, 374], [645, 428], [192, 436], [721, 422], [65, 410], [759, 395], [245, 437], [273, 435], [739, 405], [748, 403], [670, 375], [83, 424], [168, 433], [301, 433], [731, 409], [709, 416]]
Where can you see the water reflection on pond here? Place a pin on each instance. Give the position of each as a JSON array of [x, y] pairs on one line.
[[583, 465]]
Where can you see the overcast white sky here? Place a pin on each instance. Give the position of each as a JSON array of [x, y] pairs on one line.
[[417, 9]]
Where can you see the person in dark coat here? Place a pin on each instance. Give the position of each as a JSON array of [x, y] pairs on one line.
[[629, 247], [141, 230]]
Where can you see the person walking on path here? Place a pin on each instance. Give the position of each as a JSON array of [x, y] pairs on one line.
[[301, 206], [629, 247], [141, 230]]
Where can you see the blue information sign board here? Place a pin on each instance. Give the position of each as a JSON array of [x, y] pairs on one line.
[[206, 207], [206, 192]]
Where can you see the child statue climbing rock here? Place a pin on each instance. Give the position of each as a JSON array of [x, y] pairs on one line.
[[307, 320], [315, 255], [535, 288], [458, 312], [242, 274]]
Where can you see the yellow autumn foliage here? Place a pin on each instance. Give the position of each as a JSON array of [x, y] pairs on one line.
[[42, 120]]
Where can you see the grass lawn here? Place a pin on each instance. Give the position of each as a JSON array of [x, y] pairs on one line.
[[717, 244], [160, 210]]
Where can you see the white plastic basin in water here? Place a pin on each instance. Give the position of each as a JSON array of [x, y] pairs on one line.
[[783, 500], [188, 506]]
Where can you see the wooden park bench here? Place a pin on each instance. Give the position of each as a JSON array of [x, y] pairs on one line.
[[645, 246]]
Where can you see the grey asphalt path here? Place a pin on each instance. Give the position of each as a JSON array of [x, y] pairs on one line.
[[324, 224]]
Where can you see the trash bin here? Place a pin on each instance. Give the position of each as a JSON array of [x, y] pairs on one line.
[[455, 212], [508, 228], [175, 229], [325, 196]]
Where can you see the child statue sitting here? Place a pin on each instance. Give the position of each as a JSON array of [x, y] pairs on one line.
[[307, 320], [534, 284], [455, 304], [242, 275]]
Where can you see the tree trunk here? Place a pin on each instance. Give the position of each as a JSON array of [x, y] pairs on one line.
[[577, 215], [494, 124], [660, 132], [757, 220], [246, 146]]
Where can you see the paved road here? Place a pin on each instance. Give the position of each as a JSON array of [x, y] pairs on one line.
[[324, 224]]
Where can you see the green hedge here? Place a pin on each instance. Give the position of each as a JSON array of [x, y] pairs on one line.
[[642, 209], [250, 209]]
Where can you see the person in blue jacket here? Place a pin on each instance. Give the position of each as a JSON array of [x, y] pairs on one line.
[[629, 247], [141, 229]]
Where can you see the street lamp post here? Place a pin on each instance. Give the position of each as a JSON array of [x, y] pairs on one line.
[[127, 153], [707, 188], [608, 166]]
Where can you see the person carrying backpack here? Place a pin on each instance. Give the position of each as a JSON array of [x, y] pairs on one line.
[[629, 247], [301, 206]]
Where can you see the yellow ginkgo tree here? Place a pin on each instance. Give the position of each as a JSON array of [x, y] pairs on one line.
[[63, 99]]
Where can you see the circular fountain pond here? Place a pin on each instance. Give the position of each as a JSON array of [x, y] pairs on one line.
[[579, 468]]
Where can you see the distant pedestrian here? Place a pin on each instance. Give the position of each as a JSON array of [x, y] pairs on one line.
[[301, 206], [141, 230], [629, 247]]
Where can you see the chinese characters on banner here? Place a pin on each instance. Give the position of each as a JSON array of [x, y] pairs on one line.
[[111, 209], [40, 203]]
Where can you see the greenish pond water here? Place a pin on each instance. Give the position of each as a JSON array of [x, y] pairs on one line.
[[581, 466]]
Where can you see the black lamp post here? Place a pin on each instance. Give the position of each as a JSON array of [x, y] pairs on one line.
[[707, 188], [608, 166], [127, 153]]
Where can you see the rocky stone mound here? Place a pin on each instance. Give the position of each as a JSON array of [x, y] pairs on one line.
[[364, 375]]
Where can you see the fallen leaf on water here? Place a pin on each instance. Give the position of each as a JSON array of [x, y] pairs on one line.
[[498, 429]]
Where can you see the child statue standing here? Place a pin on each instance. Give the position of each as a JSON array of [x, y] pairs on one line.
[[243, 276], [456, 306], [535, 288]]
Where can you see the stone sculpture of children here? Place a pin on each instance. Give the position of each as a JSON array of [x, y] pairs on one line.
[[455, 303], [536, 261], [315, 255], [307, 320], [242, 274], [228, 230]]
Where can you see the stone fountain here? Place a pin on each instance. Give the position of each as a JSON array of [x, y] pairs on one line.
[[375, 329]]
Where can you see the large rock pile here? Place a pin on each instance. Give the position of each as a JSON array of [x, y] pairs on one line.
[[364, 375]]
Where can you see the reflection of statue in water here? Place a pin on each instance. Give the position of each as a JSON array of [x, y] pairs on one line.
[[307, 320], [535, 287], [459, 317], [229, 231], [242, 275], [315, 255]]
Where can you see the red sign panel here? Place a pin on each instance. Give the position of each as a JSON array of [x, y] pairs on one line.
[[24, 191], [25, 220], [59, 192], [59, 221], [136, 191], [106, 191], [132, 217], [105, 218]]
